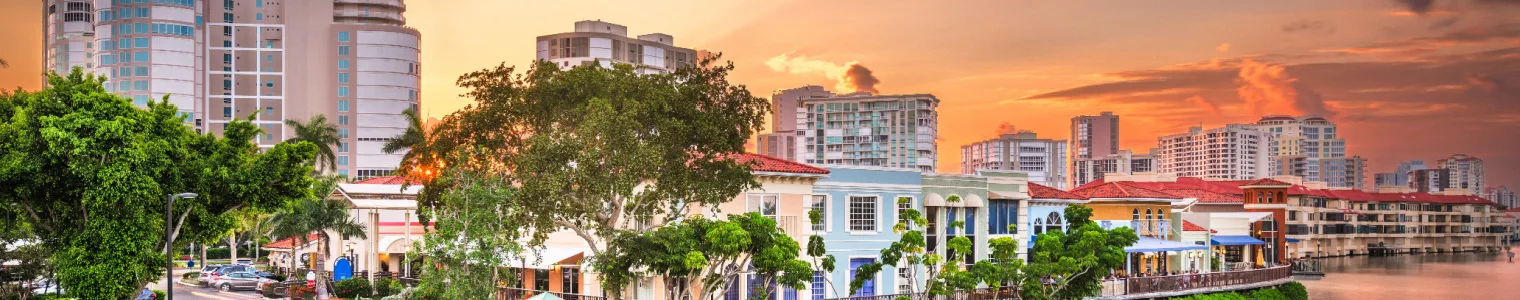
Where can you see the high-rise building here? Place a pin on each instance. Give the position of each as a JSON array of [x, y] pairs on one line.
[[1093, 137], [896, 131], [1232, 152], [785, 117], [1503, 196], [606, 43], [353, 61], [1466, 173], [1310, 147], [1124, 162], [1429, 180], [1042, 159], [1400, 176]]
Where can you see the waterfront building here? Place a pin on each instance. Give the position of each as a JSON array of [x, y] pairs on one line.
[[1125, 162], [1149, 213], [782, 141], [355, 62], [893, 131], [1042, 159], [1232, 152], [1310, 147], [604, 43], [1045, 211], [1466, 173], [862, 203]]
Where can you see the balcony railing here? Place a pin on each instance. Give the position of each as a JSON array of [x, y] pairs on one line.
[[508, 293], [977, 294], [1201, 282]]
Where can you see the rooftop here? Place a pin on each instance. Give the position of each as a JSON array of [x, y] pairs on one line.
[[766, 163]]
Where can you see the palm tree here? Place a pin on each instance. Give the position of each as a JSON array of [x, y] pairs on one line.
[[321, 215], [414, 135], [321, 133]]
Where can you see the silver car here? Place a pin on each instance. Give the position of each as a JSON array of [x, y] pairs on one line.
[[236, 281]]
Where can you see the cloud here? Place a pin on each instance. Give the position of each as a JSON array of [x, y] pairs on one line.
[[1006, 128], [1417, 6], [1498, 34], [850, 77], [1308, 26], [1223, 48], [1269, 89], [1205, 104]]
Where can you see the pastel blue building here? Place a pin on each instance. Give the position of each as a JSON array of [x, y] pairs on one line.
[[860, 205]]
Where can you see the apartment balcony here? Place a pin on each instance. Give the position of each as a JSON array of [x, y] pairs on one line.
[[391, 3], [378, 15]]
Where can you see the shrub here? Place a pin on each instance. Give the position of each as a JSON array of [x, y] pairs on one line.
[[300, 291], [352, 288], [1267, 294], [1294, 291], [386, 287], [272, 291], [160, 294], [192, 276]]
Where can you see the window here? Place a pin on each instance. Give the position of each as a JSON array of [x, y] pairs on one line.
[[869, 288], [904, 284], [342, 91], [766, 205], [140, 100], [343, 64], [226, 112], [571, 280], [411, 94], [342, 36], [343, 172], [863, 213], [258, 16], [342, 105], [200, 21], [343, 120], [343, 133], [268, 110], [269, 83], [260, 4], [817, 288], [342, 147], [140, 85], [1002, 214], [124, 44], [141, 27], [142, 12], [227, 84], [541, 279], [227, 17], [343, 50], [140, 71], [106, 59], [343, 160], [820, 204], [141, 42], [1053, 222], [268, 57], [140, 56], [124, 85], [342, 77]]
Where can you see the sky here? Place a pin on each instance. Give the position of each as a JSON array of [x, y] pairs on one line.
[[1404, 79]]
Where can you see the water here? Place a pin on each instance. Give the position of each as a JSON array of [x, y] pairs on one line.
[[1420, 276]]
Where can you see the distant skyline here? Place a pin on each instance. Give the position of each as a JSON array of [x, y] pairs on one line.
[[1405, 80]]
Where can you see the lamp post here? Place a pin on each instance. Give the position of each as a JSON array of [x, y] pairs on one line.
[[169, 241]]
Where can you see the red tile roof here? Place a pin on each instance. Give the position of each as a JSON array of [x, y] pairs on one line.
[[1189, 226], [1038, 191], [285, 243], [766, 163], [1267, 181], [1122, 189], [388, 180], [1205, 196]]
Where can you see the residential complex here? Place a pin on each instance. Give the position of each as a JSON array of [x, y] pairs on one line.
[[785, 117], [897, 131], [1042, 159], [353, 61], [1399, 177], [1466, 173], [1503, 196], [1429, 180], [1124, 162], [1094, 136], [597, 42], [1310, 147], [1232, 152]]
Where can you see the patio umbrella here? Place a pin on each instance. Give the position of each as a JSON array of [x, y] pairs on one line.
[[545, 296]]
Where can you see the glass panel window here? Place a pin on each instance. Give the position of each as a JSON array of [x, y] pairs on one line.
[[763, 204], [342, 36], [820, 203], [343, 64], [343, 50], [343, 120], [342, 105], [863, 212], [141, 42], [140, 56], [140, 71], [342, 91], [342, 77], [343, 133], [140, 85]]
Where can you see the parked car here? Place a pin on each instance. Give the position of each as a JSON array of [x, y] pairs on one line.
[[236, 281], [235, 269], [263, 274], [146, 294], [207, 272], [245, 261]]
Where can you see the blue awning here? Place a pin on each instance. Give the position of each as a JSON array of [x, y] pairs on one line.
[[1234, 240], [1146, 244], [1293, 240]]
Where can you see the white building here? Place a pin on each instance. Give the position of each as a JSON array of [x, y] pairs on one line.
[[1043, 159], [1503, 196], [272, 60], [389, 215], [1124, 162], [896, 131], [1232, 152], [1466, 173], [605, 43], [1310, 147]]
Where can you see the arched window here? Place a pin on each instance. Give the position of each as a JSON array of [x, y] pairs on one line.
[[1149, 215], [1137, 214], [1037, 228], [1053, 222]]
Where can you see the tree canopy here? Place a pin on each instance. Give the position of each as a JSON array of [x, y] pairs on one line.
[[708, 254], [89, 172], [474, 233], [1071, 264]]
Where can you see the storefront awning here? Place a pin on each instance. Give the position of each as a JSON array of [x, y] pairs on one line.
[[1234, 240], [1293, 240], [1146, 244]]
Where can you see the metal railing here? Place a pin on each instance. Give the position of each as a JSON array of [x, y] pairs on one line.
[[1160, 284], [508, 293], [977, 294]]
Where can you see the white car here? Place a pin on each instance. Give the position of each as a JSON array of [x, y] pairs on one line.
[[245, 261]]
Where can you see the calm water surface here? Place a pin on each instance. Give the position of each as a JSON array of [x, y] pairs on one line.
[[1421, 276]]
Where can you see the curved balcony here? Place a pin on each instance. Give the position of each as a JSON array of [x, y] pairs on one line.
[[373, 15], [391, 3]]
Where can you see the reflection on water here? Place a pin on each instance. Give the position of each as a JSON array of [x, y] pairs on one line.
[[1421, 276]]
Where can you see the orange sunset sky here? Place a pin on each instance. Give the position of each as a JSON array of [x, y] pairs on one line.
[[1404, 79]]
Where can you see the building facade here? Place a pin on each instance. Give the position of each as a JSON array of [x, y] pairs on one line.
[[785, 117], [597, 42], [267, 61], [1429, 180], [1503, 196], [1302, 145], [1400, 176], [1125, 162], [1042, 159], [895, 131], [862, 204], [1094, 136], [1466, 173], [1232, 152]]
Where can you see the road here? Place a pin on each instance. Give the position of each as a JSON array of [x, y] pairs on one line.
[[191, 292]]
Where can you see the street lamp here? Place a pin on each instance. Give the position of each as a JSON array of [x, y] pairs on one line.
[[169, 241]]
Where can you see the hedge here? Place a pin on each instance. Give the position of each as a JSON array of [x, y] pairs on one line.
[[1287, 291], [352, 288], [1294, 291]]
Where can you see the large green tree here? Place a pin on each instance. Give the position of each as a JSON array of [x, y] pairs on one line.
[[601, 150], [321, 133], [321, 215], [1071, 264], [707, 254], [475, 231], [90, 173]]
